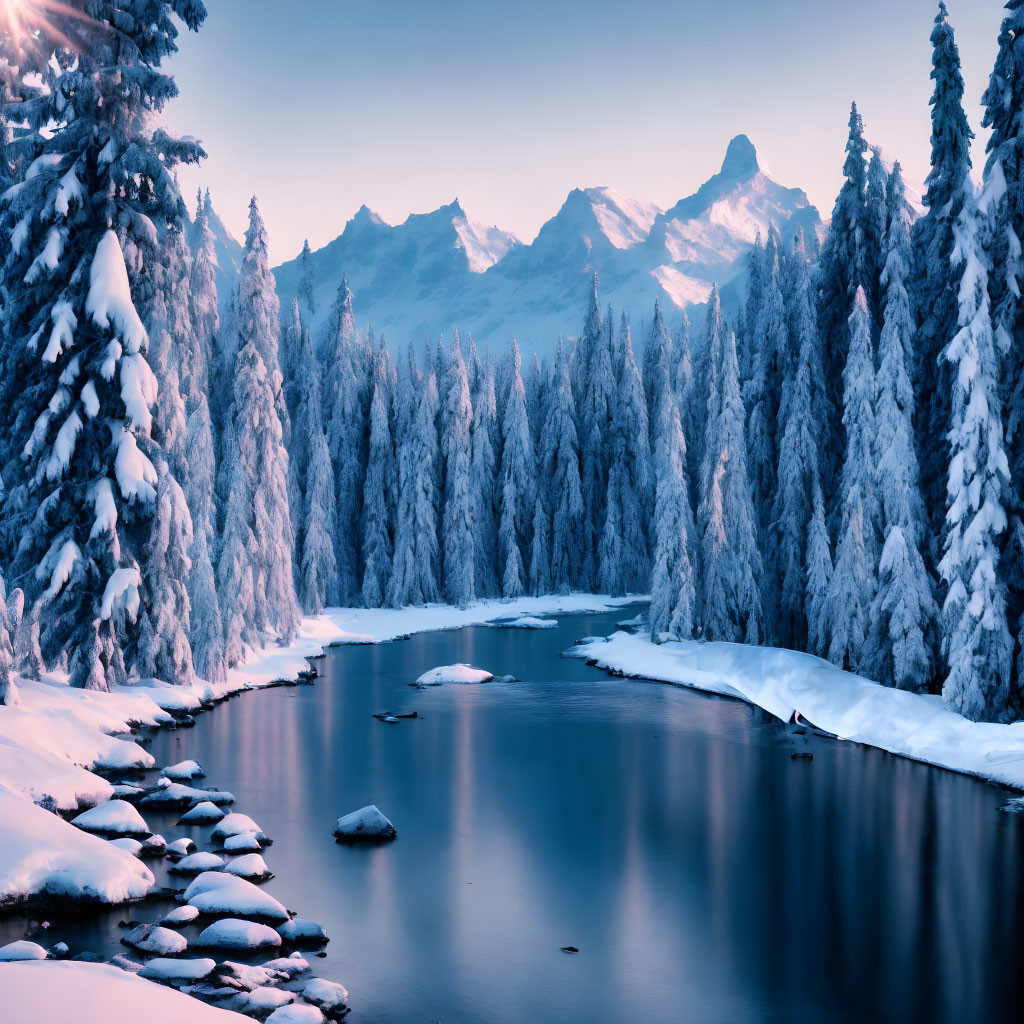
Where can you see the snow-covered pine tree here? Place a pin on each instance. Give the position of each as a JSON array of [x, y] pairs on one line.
[[1004, 177], [673, 594], [83, 220], [624, 552], [799, 476], [876, 223], [659, 360], [483, 472], [415, 572], [819, 577], [540, 550], [312, 489], [254, 570], [900, 635], [855, 575], [346, 426], [730, 601], [769, 367], [307, 283], [841, 270], [558, 460], [976, 643], [8, 688], [691, 401], [934, 290], [457, 450], [378, 491], [517, 485]]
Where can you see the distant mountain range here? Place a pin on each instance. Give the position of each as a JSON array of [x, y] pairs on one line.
[[439, 271]]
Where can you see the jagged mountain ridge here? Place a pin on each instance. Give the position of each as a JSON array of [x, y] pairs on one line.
[[439, 271]]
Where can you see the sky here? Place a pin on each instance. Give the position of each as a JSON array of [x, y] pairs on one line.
[[320, 106]]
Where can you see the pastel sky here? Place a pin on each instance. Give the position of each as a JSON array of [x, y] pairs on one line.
[[319, 106]]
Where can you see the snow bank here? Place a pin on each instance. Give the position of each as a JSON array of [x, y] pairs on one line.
[[524, 622], [786, 682], [454, 674], [54, 992]]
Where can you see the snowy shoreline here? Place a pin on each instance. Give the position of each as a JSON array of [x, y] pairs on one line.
[[51, 743], [787, 683]]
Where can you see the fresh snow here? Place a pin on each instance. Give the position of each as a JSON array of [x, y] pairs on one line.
[[110, 300], [235, 824], [244, 842], [251, 866], [54, 992], [179, 917], [328, 995], [232, 933], [152, 938], [180, 847], [787, 683], [299, 931], [296, 1013], [170, 970], [196, 863], [454, 674]]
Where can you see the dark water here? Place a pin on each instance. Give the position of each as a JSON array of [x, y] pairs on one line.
[[704, 875]]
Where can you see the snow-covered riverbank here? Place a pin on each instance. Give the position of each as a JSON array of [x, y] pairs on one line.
[[52, 740], [785, 683]]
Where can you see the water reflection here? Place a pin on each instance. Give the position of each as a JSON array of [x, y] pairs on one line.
[[704, 874]]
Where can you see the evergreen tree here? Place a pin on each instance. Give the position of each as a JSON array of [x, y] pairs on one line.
[[673, 595], [517, 485], [378, 491], [855, 576], [414, 577], [899, 647], [935, 288], [1004, 176], [730, 602], [559, 463], [457, 450], [819, 577], [255, 566], [659, 371], [307, 282], [8, 688], [977, 646], [540, 551], [82, 225], [482, 492], [343, 402], [624, 556], [311, 484]]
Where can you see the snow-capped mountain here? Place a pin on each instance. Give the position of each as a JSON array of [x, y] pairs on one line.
[[440, 271]]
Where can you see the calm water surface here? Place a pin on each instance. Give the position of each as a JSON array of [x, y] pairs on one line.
[[704, 875]]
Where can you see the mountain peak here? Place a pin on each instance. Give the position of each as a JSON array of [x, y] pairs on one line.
[[741, 160]]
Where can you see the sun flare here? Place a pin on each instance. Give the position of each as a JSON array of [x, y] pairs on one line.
[[29, 23]]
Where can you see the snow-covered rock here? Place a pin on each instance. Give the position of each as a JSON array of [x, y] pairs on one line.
[[126, 963], [251, 866], [261, 1001], [328, 995], [129, 845], [524, 622], [301, 932], [115, 817], [244, 842], [203, 813], [184, 771], [179, 917], [179, 795], [235, 824], [154, 846], [180, 847], [290, 966], [125, 791], [454, 674], [153, 938], [195, 863], [55, 992], [365, 824], [296, 1013], [174, 970], [22, 949], [215, 892], [233, 933], [246, 977]]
